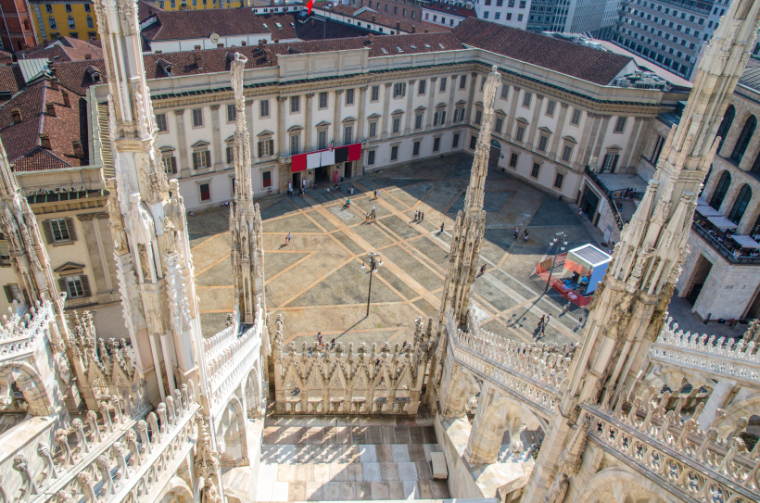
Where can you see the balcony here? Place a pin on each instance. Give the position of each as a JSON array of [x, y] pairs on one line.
[[723, 243]]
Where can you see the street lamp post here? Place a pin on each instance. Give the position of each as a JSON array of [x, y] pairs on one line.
[[371, 264], [560, 238]]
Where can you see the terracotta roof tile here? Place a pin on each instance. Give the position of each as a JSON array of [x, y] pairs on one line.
[[381, 45], [576, 60], [180, 25], [10, 80], [383, 18], [65, 49], [22, 138]]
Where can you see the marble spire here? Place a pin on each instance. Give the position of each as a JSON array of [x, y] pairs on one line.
[[469, 227], [629, 307], [152, 250], [245, 217]]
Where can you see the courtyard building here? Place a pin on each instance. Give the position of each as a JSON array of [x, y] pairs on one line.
[[237, 200]]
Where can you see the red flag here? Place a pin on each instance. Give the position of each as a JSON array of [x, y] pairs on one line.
[[310, 5]]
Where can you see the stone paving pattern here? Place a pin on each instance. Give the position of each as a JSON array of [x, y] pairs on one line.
[[316, 280], [306, 459]]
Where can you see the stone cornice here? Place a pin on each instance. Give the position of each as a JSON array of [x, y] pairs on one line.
[[69, 205]]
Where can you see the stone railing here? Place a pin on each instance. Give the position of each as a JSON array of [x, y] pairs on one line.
[[229, 360], [721, 356], [534, 373], [351, 379], [693, 465], [106, 456], [20, 334]]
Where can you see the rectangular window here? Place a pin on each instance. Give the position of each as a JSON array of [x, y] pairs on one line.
[[349, 96], [620, 125], [504, 91], [348, 134], [499, 124], [75, 287], [161, 122], [399, 89], [418, 120], [535, 169], [416, 148], [295, 104], [657, 149], [170, 163], [230, 153], [201, 159], [373, 129], [550, 107], [567, 153], [266, 179], [436, 144], [59, 230], [264, 108], [513, 159], [374, 93], [478, 116], [442, 84], [610, 162], [90, 22], [543, 141], [266, 147], [322, 100], [295, 143], [197, 117], [459, 114], [520, 133], [68, 7], [473, 142], [526, 99], [422, 86], [575, 119], [394, 152], [205, 190], [462, 81], [455, 141], [231, 113], [48, 8], [370, 157], [396, 124], [558, 179], [322, 139], [439, 118]]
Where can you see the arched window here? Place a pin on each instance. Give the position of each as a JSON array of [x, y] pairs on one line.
[[743, 142], [740, 204], [720, 190], [725, 124]]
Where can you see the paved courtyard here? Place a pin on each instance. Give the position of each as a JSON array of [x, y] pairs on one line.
[[316, 280]]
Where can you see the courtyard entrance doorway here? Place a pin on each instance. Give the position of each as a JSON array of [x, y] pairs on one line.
[[701, 271], [347, 169], [495, 155], [321, 175], [589, 203], [296, 181]]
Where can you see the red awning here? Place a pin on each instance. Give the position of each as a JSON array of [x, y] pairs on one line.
[[298, 163]]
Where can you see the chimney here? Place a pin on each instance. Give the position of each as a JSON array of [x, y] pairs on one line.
[[78, 149], [16, 115], [65, 96], [50, 109], [45, 142]]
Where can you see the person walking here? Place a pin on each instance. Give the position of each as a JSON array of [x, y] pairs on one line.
[[482, 271], [290, 189], [525, 235], [443, 224], [516, 233], [375, 193], [543, 326], [422, 216], [288, 238], [416, 218]]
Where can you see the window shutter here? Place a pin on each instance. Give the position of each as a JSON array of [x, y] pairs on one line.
[[47, 231], [85, 286], [62, 286], [8, 293], [72, 229]]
